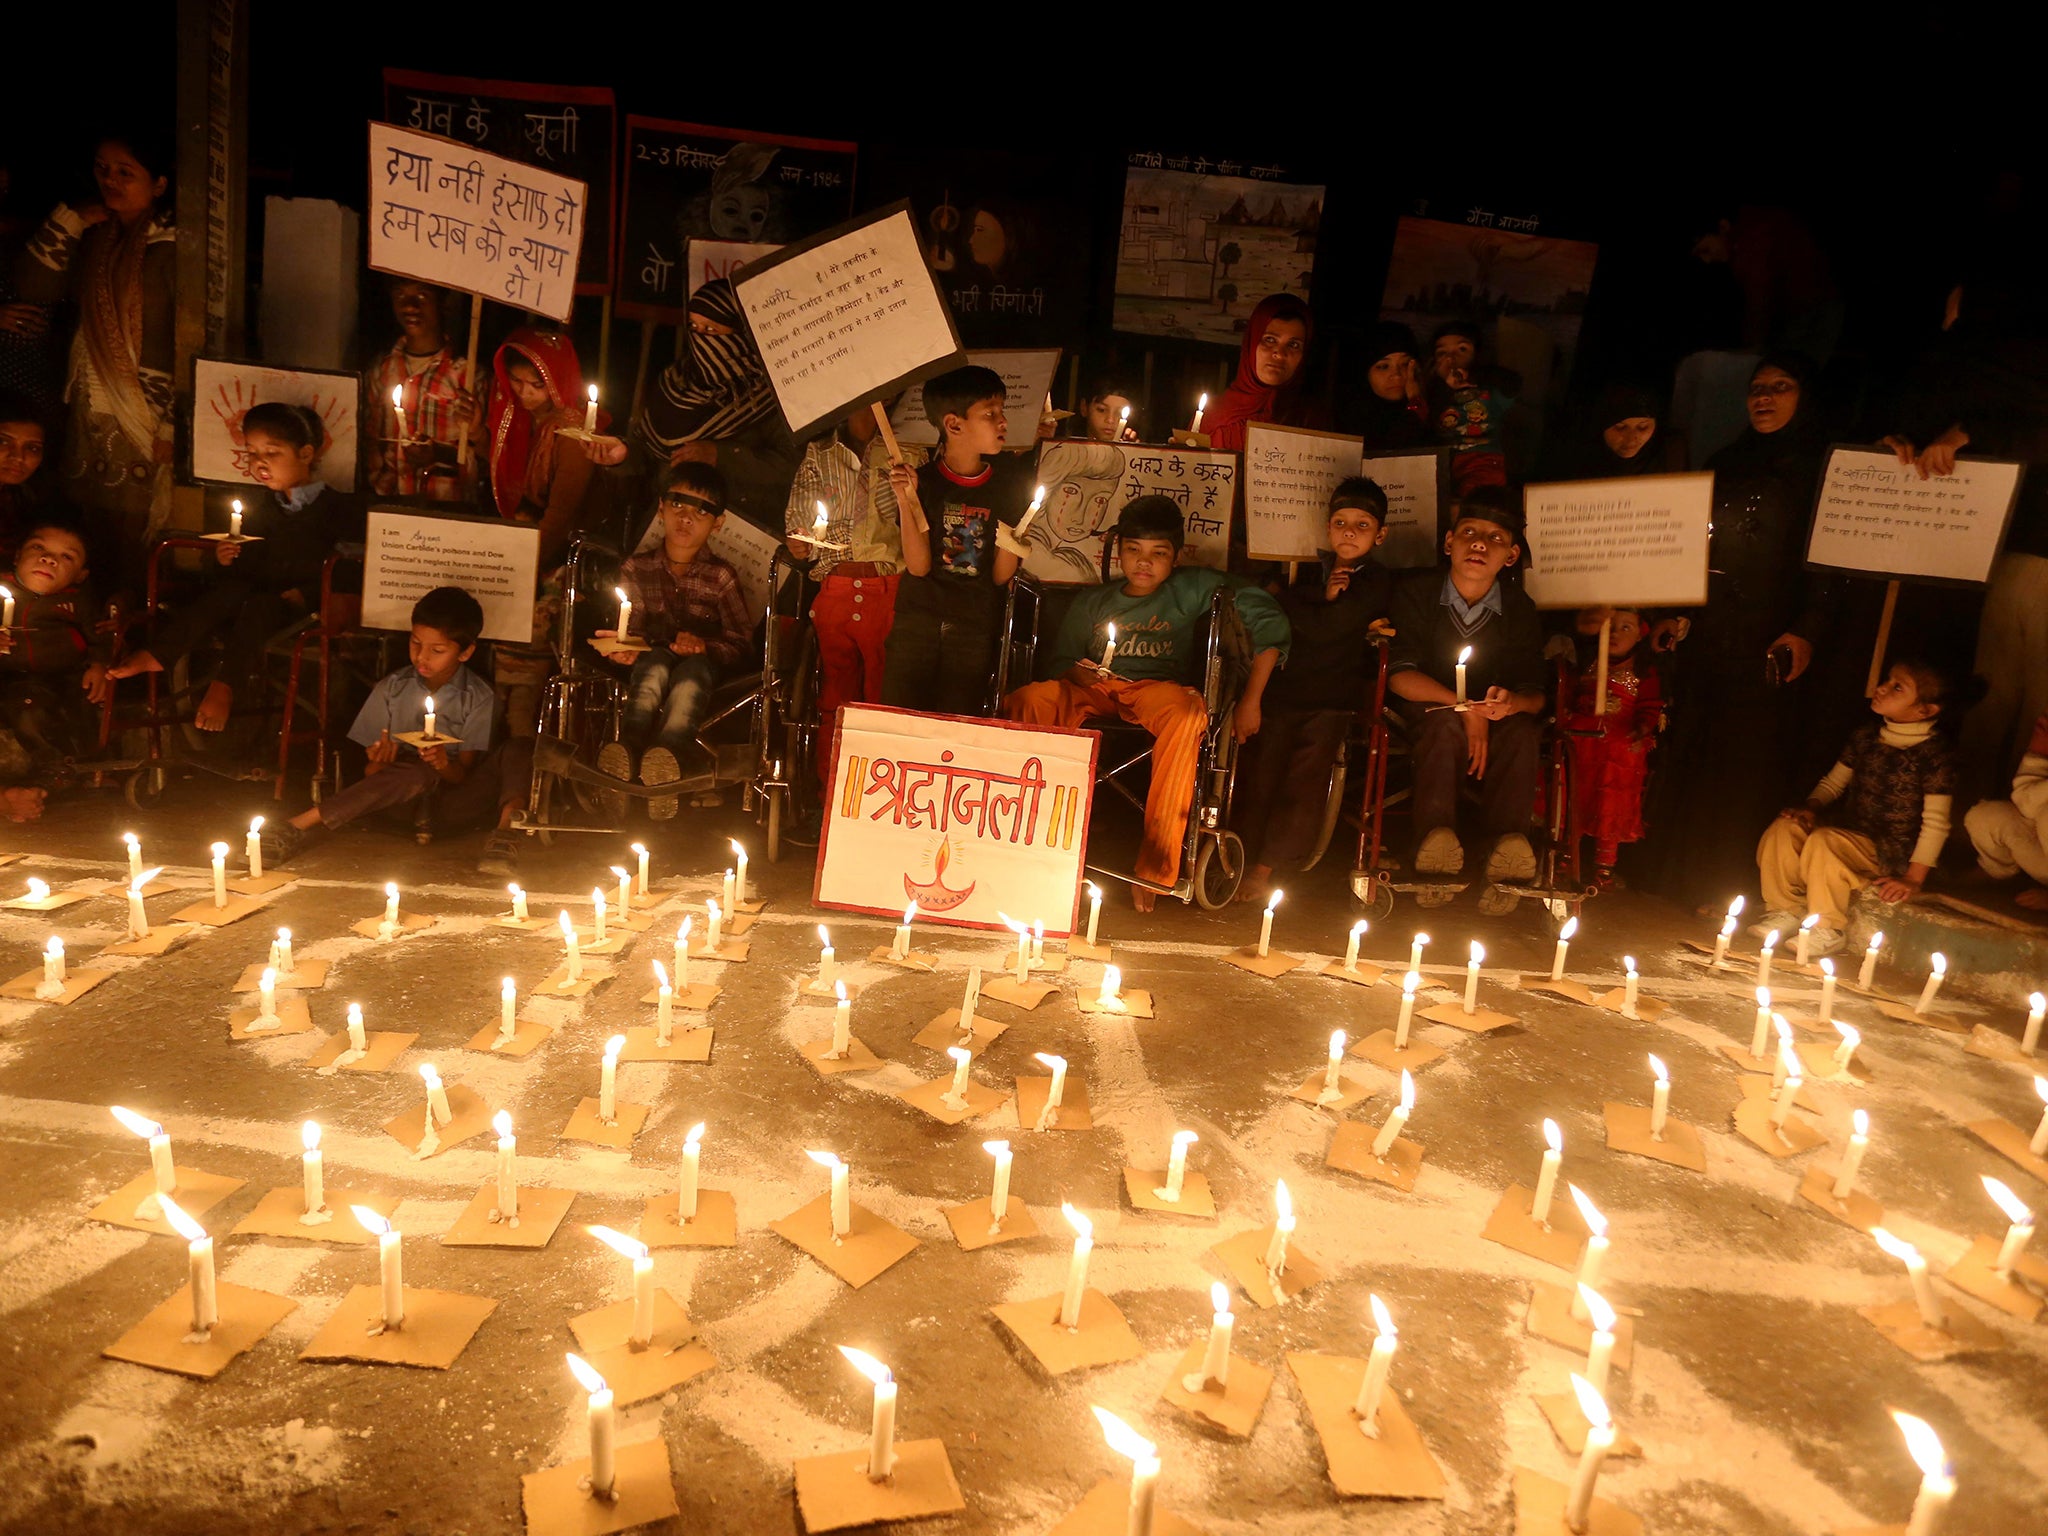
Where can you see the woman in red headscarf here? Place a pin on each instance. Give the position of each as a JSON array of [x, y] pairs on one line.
[[1269, 382], [537, 476]]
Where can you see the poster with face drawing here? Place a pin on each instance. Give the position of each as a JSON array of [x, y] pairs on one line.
[[222, 393], [1087, 484]]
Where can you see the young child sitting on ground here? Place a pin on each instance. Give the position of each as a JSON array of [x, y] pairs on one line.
[[1879, 817], [2011, 836], [1309, 706], [51, 656], [476, 783], [1610, 753], [1155, 610], [1495, 738], [688, 607]]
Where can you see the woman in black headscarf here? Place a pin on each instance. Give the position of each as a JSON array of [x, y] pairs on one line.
[[1392, 415], [1624, 435]]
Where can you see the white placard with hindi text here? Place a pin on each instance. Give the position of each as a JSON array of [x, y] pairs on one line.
[[1289, 473], [452, 214], [1641, 539], [1413, 483], [1027, 383], [1876, 517], [968, 818], [750, 552], [409, 553], [1087, 483], [848, 317]]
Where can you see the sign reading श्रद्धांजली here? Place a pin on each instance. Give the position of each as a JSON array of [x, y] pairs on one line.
[[448, 214], [408, 553], [968, 818], [1641, 540], [847, 318], [1876, 517], [1289, 473]]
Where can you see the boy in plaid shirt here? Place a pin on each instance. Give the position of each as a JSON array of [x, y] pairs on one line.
[[49, 655], [688, 607]]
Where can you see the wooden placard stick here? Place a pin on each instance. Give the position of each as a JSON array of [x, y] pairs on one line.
[[895, 454], [1600, 667], [1884, 635], [476, 325]]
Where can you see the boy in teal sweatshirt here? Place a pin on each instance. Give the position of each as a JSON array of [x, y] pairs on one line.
[[1153, 612]]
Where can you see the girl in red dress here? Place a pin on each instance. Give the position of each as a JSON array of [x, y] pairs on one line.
[[1610, 753]]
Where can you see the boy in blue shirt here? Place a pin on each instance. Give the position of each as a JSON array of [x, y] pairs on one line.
[[476, 781]]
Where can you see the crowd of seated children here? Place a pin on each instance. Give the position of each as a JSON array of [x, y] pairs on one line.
[[53, 662]]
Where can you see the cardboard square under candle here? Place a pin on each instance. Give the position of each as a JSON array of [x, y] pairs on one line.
[[408, 922], [584, 1125], [730, 950], [684, 1045], [974, 1224], [1995, 1045], [163, 1340], [1274, 963], [1079, 948], [1129, 1003], [280, 1213], [1365, 975], [1739, 1054], [1975, 1272], [1903, 1013], [930, 1096], [1480, 1021], [1628, 1130], [1244, 1259], [1378, 1048], [1102, 1337], [523, 924], [196, 1194], [811, 992], [1550, 1317], [1648, 1009], [1819, 1060], [263, 884], [304, 976], [858, 1057], [1394, 1464], [870, 1246], [76, 984], [606, 644], [420, 740], [1350, 1091], [470, 1116], [293, 1018], [1565, 987], [1960, 1333], [697, 997], [1753, 1121], [945, 1031], [1351, 1150], [2007, 1139], [638, 920], [528, 1035], [835, 1492], [1858, 1211], [752, 907], [1196, 1202], [675, 1355], [161, 939], [540, 1213], [1557, 1243], [437, 1329], [1755, 1085], [1234, 1407], [1561, 1409], [614, 941], [382, 1048], [49, 903], [1539, 1510], [1007, 989], [1074, 1113], [716, 1224], [1107, 1512], [557, 1502], [591, 975], [913, 961]]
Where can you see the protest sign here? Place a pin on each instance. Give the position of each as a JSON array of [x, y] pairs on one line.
[[710, 260], [1640, 540], [450, 214], [222, 393], [1413, 482], [572, 130], [408, 553], [968, 818], [1027, 382], [847, 318], [1088, 483], [750, 552], [1876, 517], [1289, 473]]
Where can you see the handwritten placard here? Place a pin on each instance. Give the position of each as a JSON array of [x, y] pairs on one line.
[[1642, 539], [454, 215], [750, 552], [1289, 473], [848, 317], [409, 553], [1414, 484], [1027, 381], [1876, 517], [1087, 483]]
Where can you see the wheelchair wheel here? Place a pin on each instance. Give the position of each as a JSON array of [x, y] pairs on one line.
[[1381, 907], [145, 786], [1219, 870]]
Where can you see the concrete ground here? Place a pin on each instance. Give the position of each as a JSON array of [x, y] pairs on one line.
[[1757, 1392]]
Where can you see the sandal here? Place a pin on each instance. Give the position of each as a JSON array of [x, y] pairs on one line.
[[500, 856]]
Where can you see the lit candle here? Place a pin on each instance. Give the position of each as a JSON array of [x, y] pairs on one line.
[[1351, 945], [714, 921], [1023, 960], [1763, 958], [590, 412], [1055, 1091], [2039, 1144], [882, 1433], [1331, 1090], [1478, 954], [252, 848], [1109, 650], [1564, 944], [625, 615], [220, 874], [825, 956], [1939, 962], [1381, 1361], [199, 1253], [1867, 974], [397, 405], [1094, 910], [1409, 983], [391, 903], [518, 904], [1177, 1166], [266, 996], [437, 1096], [165, 1172], [508, 1003], [508, 1181], [358, 1042], [1721, 941], [6, 608], [1578, 1506], [1123, 423], [281, 953], [823, 520], [1144, 1455], [1037, 942], [1629, 983], [1266, 924], [1600, 1350], [1660, 1100], [1396, 1118], [1546, 1176], [2020, 1231], [1826, 1010], [1760, 1037], [1937, 1478], [625, 891], [899, 949], [1850, 1040], [134, 855], [1806, 928], [598, 1414], [309, 1164], [641, 1333], [739, 854], [1916, 1272], [608, 1080], [39, 890], [1596, 1246], [1781, 1106], [726, 888], [1415, 948], [1215, 1358], [1112, 985], [1852, 1159], [573, 964], [390, 1262], [597, 905], [686, 1177], [664, 1002], [1283, 1228], [999, 1197], [1077, 1266], [842, 1024], [1201, 405], [1463, 656], [53, 969], [2037, 1006], [955, 1096], [842, 1197], [682, 955], [970, 999]]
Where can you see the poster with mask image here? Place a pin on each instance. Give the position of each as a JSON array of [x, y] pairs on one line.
[[1087, 484], [688, 184]]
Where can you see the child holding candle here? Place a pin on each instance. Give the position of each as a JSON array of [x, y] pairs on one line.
[[1610, 753], [1105, 412], [1879, 817], [419, 456], [50, 655], [536, 475], [1155, 609], [2010, 835]]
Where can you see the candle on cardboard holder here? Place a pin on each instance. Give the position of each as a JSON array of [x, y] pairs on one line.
[[1760, 1036], [601, 1420], [1867, 974], [1629, 982], [1937, 972], [1077, 1266], [1660, 1098], [597, 907], [842, 1024], [281, 958], [682, 955], [312, 1178], [1578, 1506], [686, 1175], [1801, 944], [1055, 1091], [1037, 942], [1851, 1038], [625, 626], [842, 1194], [999, 1194], [518, 904], [1366, 1406], [572, 952], [641, 1333], [625, 880], [1564, 944], [899, 948], [1763, 958], [1266, 924], [1144, 1456], [639, 851], [664, 1006], [2019, 1231], [1283, 1228], [739, 855], [1937, 1477], [1216, 1356], [390, 1263], [882, 1431], [1600, 1348], [1332, 1090], [1022, 961], [1177, 1167], [252, 848], [1415, 948], [608, 1081], [1721, 941], [508, 1167], [1478, 953], [1112, 986], [52, 984], [1596, 1247], [1397, 1118], [1406, 1017], [1358, 931], [1852, 1156], [220, 875], [826, 958], [955, 1096], [1546, 1176], [1916, 1273], [162, 1168], [1825, 1011], [199, 1255]]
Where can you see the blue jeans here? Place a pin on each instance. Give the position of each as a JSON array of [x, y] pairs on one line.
[[665, 698]]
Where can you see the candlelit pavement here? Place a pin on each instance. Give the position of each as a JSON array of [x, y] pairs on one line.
[[1756, 1392]]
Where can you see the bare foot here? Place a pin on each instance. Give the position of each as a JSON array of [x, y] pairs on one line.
[[214, 706], [2034, 898], [138, 662], [22, 804], [1142, 899], [1257, 883]]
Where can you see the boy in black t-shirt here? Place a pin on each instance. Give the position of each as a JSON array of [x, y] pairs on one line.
[[940, 655]]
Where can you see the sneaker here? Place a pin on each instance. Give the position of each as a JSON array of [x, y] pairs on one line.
[[500, 857], [1440, 853], [658, 766], [615, 762], [1824, 941], [1512, 859], [280, 841], [1787, 924]]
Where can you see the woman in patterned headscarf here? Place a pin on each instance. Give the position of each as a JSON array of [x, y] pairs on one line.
[[536, 476]]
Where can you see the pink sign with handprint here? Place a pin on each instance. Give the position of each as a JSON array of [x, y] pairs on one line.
[[224, 392]]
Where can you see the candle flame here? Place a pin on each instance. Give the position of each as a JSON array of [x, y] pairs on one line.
[[1202, 404], [995, 1148], [1595, 1222], [1283, 1202], [181, 1223], [1038, 496], [1094, 891], [1009, 922], [39, 890], [825, 1159], [1861, 1121], [1628, 964], [501, 1122], [1465, 655], [54, 950], [568, 927], [910, 914], [1407, 1089], [824, 936], [141, 1125], [1596, 1305], [1922, 1444], [960, 1055], [618, 871], [2041, 1089], [839, 990], [1552, 1136], [515, 890], [1052, 1063], [144, 878], [1112, 634], [1410, 982], [1763, 998], [661, 976], [390, 887], [1771, 939], [355, 1013], [824, 516], [1939, 962], [369, 1220], [1784, 1031], [397, 404], [586, 1375], [1735, 907], [1219, 1298], [1112, 979], [268, 981], [597, 897], [1591, 1403], [637, 848], [1081, 1224], [1382, 1319], [1570, 928], [613, 1046], [1123, 1439], [255, 825], [2015, 1209], [867, 1365], [1811, 921], [131, 839], [1185, 1138], [1657, 1066], [1876, 940], [1478, 952], [1827, 967], [1360, 928], [1851, 1036], [1728, 929], [431, 1074], [1897, 1247], [309, 1135], [734, 844], [683, 931], [1336, 1043], [619, 1243], [1273, 901]]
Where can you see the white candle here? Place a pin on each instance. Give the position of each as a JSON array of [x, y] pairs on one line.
[[1850, 1040], [163, 1170], [53, 969], [397, 405], [597, 907], [1916, 1272], [1721, 940], [1406, 1017], [1177, 1166], [882, 1430], [358, 1042], [1578, 1507], [1463, 656], [391, 902], [518, 904], [1660, 1099], [725, 888], [842, 1024], [309, 1163], [1112, 986], [999, 1197], [664, 1003], [682, 955], [1094, 910], [1806, 928], [134, 855], [1852, 1159], [1629, 983], [1266, 924], [955, 1096], [1022, 961], [390, 1262], [1283, 1227], [1937, 1478], [1383, 1143], [900, 948], [1564, 944], [1123, 423], [1332, 1071], [1037, 943], [281, 953], [1077, 1266], [625, 891], [1600, 1349], [1415, 949], [641, 1332], [39, 890], [1126, 1441], [1351, 945], [1055, 1091], [714, 920], [1939, 962], [608, 1080], [508, 1003], [739, 888], [1201, 405], [2039, 1144], [1596, 1246], [199, 1254], [508, 1181], [970, 999], [1867, 974], [1109, 650], [590, 412], [437, 1096], [1781, 1106], [235, 507], [1381, 1361], [2037, 1006], [252, 848], [1472, 976], [1826, 1011], [842, 1197], [600, 1417], [1763, 958], [220, 874], [1216, 1357], [1760, 1037], [1546, 1176], [825, 958], [2018, 1233], [573, 963], [640, 853], [266, 995]]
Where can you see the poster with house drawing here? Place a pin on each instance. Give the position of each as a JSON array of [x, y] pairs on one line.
[[1088, 483], [1203, 241]]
